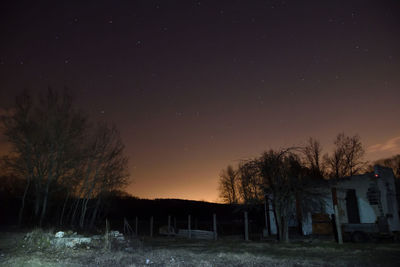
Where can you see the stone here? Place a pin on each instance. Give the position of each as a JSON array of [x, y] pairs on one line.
[[72, 242], [60, 234]]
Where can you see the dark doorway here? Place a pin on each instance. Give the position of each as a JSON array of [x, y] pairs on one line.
[[353, 213]]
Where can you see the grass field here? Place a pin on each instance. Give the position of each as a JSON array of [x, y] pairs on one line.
[[169, 251]]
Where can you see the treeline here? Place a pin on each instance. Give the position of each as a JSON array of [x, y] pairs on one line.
[[129, 207], [292, 176], [246, 182], [61, 165]]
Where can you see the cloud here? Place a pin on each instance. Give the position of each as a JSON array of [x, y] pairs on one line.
[[391, 145]]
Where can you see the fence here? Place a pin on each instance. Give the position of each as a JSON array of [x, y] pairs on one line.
[[193, 227]]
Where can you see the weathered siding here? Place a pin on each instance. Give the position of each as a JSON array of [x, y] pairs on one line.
[[376, 196]]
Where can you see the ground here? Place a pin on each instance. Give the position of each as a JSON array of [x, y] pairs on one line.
[[15, 250]]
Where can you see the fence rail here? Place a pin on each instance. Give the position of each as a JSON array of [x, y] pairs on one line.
[[196, 234], [190, 228]]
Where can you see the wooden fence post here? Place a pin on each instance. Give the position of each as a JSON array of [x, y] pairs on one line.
[[267, 216], [136, 226], [169, 224], [246, 227], [189, 228], [215, 226], [151, 226], [175, 230], [107, 243]]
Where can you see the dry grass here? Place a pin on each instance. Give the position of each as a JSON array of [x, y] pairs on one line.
[[182, 252]]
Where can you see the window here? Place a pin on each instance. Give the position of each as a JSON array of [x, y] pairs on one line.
[[373, 195]]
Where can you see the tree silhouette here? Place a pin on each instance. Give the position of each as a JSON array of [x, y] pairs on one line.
[[54, 153], [228, 185], [346, 159]]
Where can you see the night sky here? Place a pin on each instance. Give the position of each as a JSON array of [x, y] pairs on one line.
[[196, 85]]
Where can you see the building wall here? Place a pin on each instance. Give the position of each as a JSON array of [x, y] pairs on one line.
[[361, 183], [388, 199], [368, 212]]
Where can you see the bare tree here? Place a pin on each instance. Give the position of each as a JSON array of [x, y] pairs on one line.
[[279, 188], [103, 169], [347, 156], [111, 167], [312, 152], [47, 135], [21, 132], [63, 128], [228, 185], [287, 183], [354, 153], [250, 182]]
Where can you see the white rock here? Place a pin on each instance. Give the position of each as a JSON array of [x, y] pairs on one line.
[[117, 235], [60, 234], [71, 241]]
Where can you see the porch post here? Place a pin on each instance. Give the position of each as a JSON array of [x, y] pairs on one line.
[[337, 219]]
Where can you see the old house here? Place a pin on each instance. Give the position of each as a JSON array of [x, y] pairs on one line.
[[366, 203]]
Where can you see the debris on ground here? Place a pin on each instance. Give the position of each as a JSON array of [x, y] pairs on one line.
[[60, 234]]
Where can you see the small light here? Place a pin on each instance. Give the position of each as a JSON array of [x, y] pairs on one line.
[[377, 170]]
